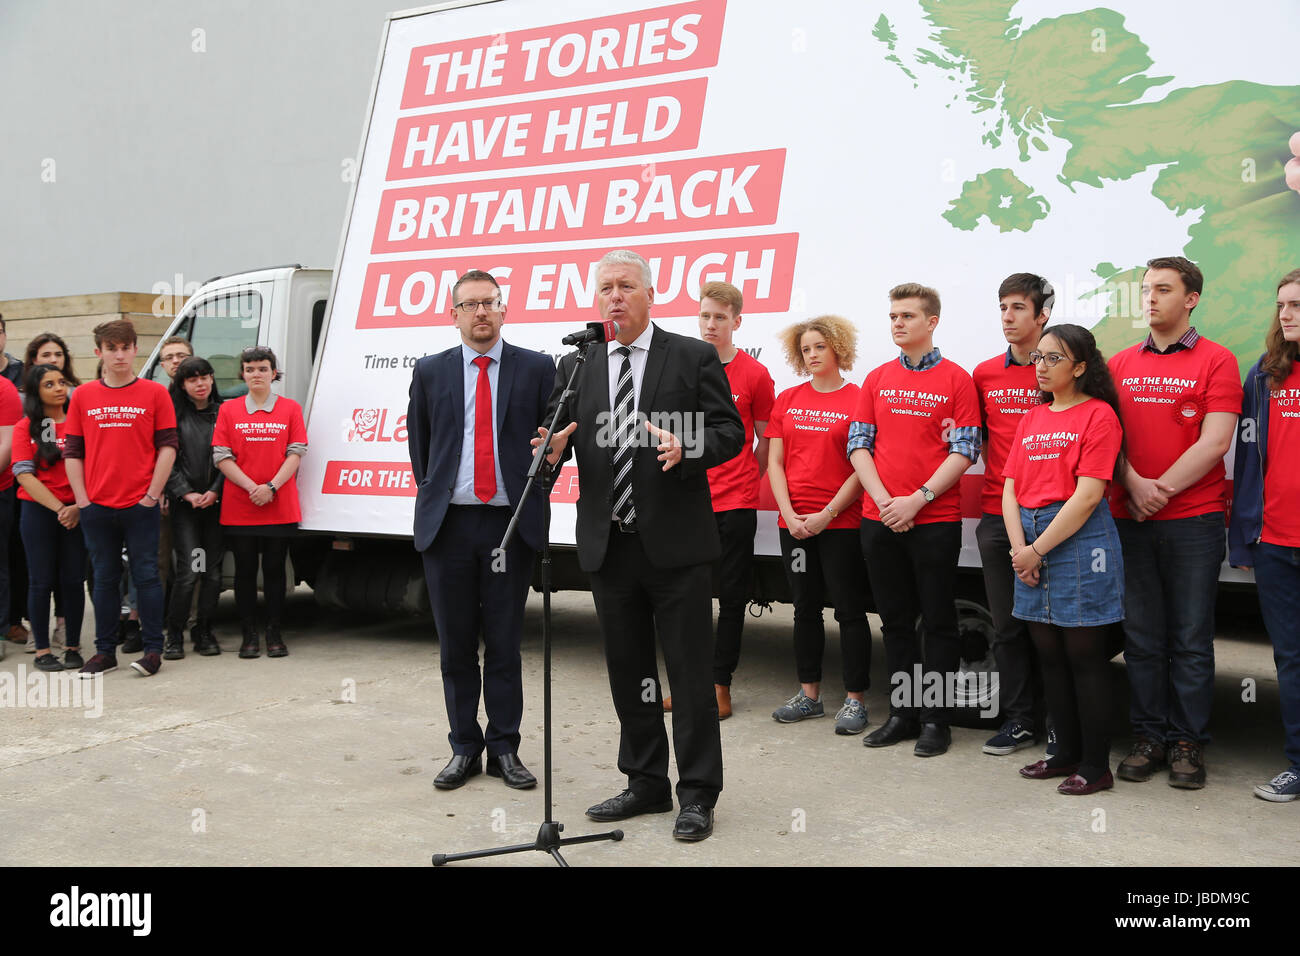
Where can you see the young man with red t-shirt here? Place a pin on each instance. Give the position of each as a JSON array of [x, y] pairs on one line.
[[119, 447], [11, 409], [1179, 398], [734, 484], [915, 432], [1007, 389]]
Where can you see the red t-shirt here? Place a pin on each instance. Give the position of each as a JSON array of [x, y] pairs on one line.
[[1162, 401], [1282, 477], [11, 409], [913, 413], [260, 443], [734, 483], [1006, 392], [117, 432], [55, 476], [1051, 450], [814, 430]]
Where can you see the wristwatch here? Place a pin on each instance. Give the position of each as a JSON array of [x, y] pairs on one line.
[[926, 493], [271, 485]]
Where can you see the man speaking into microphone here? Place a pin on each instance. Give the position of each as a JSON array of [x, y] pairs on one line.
[[651, 414], [471, 408]]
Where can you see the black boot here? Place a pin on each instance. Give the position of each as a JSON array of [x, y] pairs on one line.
[[174, 645], [252, 644], [205, 642], [274, 643]]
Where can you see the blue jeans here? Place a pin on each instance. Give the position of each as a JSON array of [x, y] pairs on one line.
[[1277, 578], [56, 558], [1171, 580], [105, 530]]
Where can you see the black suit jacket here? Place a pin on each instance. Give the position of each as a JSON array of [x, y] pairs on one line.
[[684, 384], [435, 423]]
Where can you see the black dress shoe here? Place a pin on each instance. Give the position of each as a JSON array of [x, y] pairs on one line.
[[892, 731], [934, 740], [459, 769], [694, 823], [509, 769], [628, 804]]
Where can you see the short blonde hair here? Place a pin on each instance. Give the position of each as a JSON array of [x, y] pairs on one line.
[[840, 334], [914, 290]]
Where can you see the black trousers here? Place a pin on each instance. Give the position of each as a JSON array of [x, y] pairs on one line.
[[1078, 694], [196, 542], [828, 565], [915, 574], [474, 590], [736, 529], [634, 602], [246, 548], [1020, 686]]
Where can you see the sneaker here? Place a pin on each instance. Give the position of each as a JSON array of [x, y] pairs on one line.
[[59, 635], [72, 659], [147, 666], [1146, 757], [99, 664], [799, 707], [48, 662], [1283, 788], [1051, 741], [851, 719], [1012, 737], [1186, 766], [30, 646], [132, 640]]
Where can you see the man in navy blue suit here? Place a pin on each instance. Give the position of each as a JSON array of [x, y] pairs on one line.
[[473, 409]]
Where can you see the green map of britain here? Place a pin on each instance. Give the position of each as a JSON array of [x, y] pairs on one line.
[[1219, 148]]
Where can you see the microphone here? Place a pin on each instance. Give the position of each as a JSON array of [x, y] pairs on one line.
[[594, 332]]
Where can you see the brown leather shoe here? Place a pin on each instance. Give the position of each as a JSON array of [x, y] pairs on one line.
[[1186, 766], [1146, 757], [668, 705], [724, 700], [18, 634]]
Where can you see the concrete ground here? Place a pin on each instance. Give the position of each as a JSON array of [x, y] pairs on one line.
[[327, 757]]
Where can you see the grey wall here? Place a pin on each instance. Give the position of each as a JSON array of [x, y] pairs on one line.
[[167, 160]]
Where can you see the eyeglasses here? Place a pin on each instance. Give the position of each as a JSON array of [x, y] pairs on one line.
[[470, 306], [1052, 359]]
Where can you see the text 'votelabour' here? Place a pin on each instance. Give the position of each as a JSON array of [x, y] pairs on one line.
[[480, 105]]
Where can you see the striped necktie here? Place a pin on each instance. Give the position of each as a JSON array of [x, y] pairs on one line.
[[624, 438]]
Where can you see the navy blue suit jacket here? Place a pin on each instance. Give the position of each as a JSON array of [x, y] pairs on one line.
[[435, 422]]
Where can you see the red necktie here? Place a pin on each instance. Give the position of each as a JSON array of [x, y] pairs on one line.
[[485, 469]]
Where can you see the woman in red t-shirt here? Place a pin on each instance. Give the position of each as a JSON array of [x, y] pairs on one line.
[[48, 515], [820, 503], [257, 444], [1065, 549]]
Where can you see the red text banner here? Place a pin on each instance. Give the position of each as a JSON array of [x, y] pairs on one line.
[[381, 478], [673, 39], [741, 190], [560, 285], [610, 124]]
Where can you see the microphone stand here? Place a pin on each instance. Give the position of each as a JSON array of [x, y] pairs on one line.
[[540, 475]]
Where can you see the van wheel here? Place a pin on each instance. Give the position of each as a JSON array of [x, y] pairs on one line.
[[977, 695]]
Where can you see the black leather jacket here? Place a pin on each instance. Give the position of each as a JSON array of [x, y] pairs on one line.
[[194, 470]]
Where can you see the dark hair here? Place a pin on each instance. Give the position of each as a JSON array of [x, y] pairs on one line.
[[1095, 381], [1280, 354], [1038, 289], [193, 367], [47, 452], [256, 353], [117, 332], [474, 275], [3, 328], [1193, 279], [34, 346]]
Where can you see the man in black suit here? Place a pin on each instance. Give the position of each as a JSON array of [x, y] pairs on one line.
[[653, 412], [472, 408]]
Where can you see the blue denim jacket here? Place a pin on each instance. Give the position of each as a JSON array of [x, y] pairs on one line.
[[1247, 521]]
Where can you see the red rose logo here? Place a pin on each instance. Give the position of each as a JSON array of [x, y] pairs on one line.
[[364, 423]]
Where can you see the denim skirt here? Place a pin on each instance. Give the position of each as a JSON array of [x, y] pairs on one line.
[[1081, 581]]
